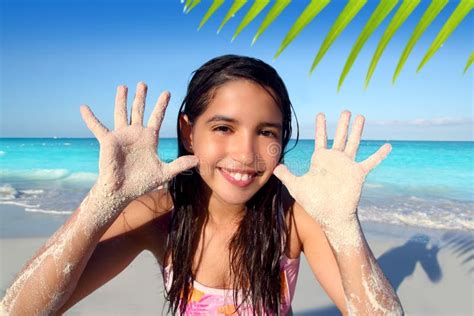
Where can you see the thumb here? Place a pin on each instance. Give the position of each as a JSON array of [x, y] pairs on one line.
[[180, 164], [286, 177]]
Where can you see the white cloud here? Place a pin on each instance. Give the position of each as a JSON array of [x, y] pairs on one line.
[[437, 121], [438, 129]]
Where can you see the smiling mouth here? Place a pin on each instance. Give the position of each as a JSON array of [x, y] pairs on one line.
[[239, 179]]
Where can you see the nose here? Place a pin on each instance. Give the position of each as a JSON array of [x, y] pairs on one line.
[[244, 149]]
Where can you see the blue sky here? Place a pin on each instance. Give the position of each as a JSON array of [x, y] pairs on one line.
[[57, 55]]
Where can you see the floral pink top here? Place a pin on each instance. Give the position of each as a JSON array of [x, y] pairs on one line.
[[211, 301]]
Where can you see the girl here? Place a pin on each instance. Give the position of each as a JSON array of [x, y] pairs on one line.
[[226, 232]]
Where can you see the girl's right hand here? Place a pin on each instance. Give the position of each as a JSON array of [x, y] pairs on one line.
[[128, 162]]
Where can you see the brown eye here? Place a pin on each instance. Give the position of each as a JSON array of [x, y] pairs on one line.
[[223, 129], [268, 133]]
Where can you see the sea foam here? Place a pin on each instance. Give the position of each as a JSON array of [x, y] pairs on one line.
[[37, 210]]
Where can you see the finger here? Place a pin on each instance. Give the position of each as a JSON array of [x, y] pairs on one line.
[[158, 113], [179, 165], [354, 138], [321, 134], [371, 162], [286, 177], [138, 106], [93, 123], [341, 131], [120, 113]]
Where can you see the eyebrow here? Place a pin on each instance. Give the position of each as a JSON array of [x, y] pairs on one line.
[[217, 118]]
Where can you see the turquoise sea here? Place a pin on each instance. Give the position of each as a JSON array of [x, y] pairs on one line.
[[426, 184]]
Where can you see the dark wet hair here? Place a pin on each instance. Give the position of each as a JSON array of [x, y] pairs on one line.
[[256, 248]]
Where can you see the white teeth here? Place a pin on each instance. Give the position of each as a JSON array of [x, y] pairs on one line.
[[240, 177]]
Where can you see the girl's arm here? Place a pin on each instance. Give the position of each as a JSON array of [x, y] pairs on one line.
[[367, 290], [120, 245], [312, 241], [343, 275], [116, 249], [128, 168], [330, 192], [49, 278]]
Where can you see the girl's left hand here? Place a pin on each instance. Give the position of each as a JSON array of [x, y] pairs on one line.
[[330, 191]]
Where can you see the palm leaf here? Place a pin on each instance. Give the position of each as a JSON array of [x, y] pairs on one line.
[[236, 6], [380, 13], [430, 14], [275, 11], [190, 4], [186, 5], [352, 8], [463, 8], [349, 12], [255, 10], [212, 9], [309, 13], [399, 18], [469, 62]]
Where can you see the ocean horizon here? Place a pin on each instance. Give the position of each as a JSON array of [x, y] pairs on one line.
[[301, 138], [425, 184]]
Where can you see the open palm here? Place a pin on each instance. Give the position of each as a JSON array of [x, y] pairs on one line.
[[330, 191], [128, 161]]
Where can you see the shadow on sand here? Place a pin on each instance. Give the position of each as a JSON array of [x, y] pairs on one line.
[[399, 262]]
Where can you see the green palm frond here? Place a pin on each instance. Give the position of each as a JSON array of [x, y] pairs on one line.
[[430, 14], [190, 4], [212, 9], [398, 19], [236, 6], [469, 62], [309, 13], [186, 5], [377, 17], [275, 11], [463, 8], [348, 13], [254, 11]]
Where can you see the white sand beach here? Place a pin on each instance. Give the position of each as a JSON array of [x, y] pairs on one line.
[[431, 277]]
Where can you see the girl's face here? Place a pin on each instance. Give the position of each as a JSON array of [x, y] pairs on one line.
[[238, 141]]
